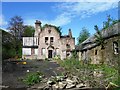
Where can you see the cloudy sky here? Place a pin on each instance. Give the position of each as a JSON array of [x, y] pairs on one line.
[[74, 15]]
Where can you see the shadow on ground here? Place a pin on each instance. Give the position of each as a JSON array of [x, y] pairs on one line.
[[12, 71]]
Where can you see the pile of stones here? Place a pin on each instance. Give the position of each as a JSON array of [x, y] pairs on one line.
[[64, 82]]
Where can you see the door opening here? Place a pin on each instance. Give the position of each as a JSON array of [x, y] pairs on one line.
[[49, 53]]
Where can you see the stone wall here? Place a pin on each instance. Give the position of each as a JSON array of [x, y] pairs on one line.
[[106, 55], [59, 43], [89, 50]]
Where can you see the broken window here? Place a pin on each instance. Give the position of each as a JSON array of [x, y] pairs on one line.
[[115, 47], [95, 52], [51, 39], [46, 39]]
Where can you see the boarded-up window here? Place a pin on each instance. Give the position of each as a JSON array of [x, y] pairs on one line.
[[26, 51], [36, 51], [43, 51]]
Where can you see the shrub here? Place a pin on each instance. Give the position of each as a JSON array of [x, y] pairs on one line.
[[33, 78]]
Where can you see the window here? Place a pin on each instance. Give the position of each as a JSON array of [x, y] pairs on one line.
[[26, 51], [46, 39], [115, 47], [36, 51], [51, 39], [49, 31], [36, 41], [95, 52], [57, 51], [68, 46], [43, 51]]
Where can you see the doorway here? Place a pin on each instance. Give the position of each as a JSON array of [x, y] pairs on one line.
[[49, 53]]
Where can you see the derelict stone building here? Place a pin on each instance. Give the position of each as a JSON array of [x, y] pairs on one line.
[[47, 43], [90, 50]]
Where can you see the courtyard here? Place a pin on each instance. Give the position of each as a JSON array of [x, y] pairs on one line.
[[12, 72]]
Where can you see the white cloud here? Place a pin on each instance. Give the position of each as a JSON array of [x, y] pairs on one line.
[[70, 10], [86, 9], [60, 20], [2, 21]]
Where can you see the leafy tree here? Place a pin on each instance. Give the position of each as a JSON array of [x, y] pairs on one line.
[[16, 28], [84, 34], [28, 31], [99, 37], [8, 45]]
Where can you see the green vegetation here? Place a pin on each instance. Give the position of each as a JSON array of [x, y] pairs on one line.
[[57, 28], [12, 40], [84, 34], [33, 78], [8, 46], [28, 31], [99, 38], [109, 22], [86, 72]]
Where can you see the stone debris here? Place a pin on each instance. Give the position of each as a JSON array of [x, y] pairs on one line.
[[63, 82], [80, 85], [70, 85]]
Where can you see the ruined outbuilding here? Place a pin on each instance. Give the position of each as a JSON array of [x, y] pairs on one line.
[[89, 50]]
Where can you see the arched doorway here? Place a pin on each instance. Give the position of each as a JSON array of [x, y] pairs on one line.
[[50, 51]]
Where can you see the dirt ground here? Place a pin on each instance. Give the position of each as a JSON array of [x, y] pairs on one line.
[[12, 71]]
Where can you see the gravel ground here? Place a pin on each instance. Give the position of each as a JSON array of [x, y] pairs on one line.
[[11, 71]]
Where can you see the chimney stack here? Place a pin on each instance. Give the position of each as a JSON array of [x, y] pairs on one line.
[[37, 27], [70, 33]]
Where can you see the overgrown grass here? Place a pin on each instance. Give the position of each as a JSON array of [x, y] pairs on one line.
[[86, 72], [33, 78]]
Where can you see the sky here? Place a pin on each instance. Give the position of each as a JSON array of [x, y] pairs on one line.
[[73, 15]]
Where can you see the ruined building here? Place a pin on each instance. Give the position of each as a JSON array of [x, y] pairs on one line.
[[47, 43], [89, 50]]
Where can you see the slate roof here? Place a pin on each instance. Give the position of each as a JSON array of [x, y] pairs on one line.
[[106, 33]]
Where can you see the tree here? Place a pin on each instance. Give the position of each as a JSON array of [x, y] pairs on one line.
[[8, 45], [84, 34], [28, 31], [16, 28], [100, 41], [99, 37]]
